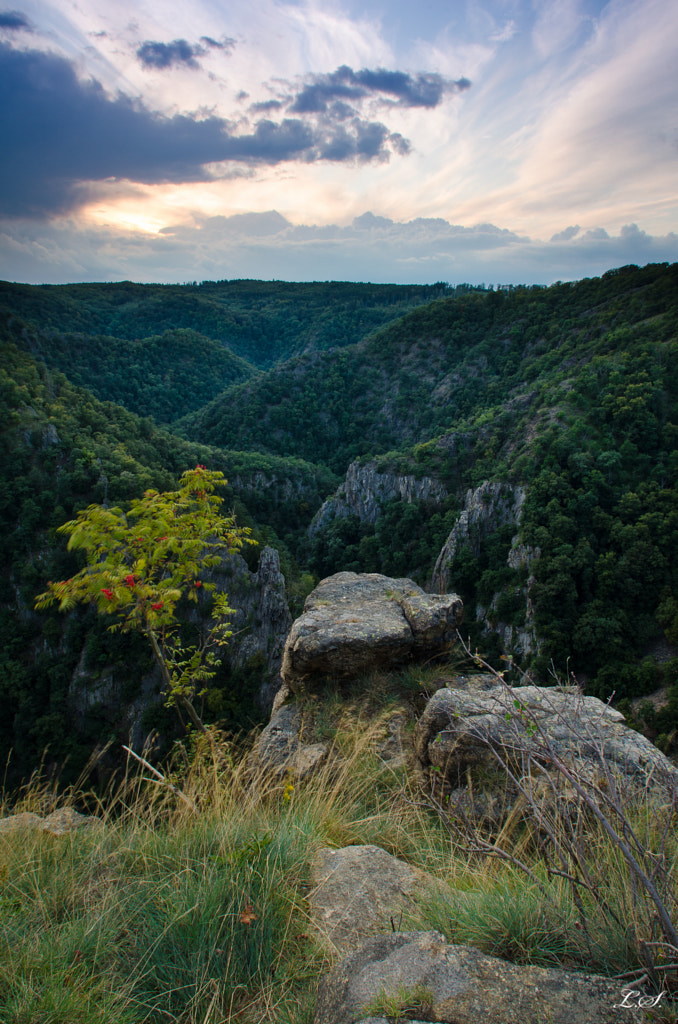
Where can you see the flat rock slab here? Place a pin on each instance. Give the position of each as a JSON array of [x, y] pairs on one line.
[[360, 891], [357, 622], [465, 986]]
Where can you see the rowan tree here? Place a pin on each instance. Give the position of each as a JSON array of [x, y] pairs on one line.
[[142, 567]]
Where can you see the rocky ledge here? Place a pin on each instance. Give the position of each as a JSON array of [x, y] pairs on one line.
[[356, 622]]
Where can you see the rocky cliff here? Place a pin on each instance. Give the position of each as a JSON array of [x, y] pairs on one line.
[[365, 489], [485, 509], [262, 620]]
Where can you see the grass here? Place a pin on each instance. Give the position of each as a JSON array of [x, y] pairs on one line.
[[401, 1003], [165, 915]]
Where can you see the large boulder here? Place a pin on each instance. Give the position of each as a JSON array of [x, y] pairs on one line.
[[356, 622], [461, 985], [466, 724], [360, 891]]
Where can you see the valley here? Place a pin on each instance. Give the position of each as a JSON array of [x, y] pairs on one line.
[[529, 434]]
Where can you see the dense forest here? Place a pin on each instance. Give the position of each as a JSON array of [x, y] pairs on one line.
[[570, 392]]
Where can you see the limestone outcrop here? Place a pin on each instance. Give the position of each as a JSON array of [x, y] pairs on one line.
[[485, 509], [465, 722], [262, 619], [356, 622], [366, 488], [461, 985], [279, 750]]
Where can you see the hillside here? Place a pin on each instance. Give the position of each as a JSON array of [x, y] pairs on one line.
[[566, 396], [439, 365], [60, 450], [262, 322]]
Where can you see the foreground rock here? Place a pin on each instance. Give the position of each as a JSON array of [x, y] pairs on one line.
[[462, 726], [460, 985], [58, 823], [279, 750], [356, 622], [360, 891]]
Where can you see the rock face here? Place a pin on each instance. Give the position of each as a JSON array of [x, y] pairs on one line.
[[279, 750], [262, 617], [485, 509], [356, 622], [460, 727], [360, 891], [365, 488], [464, 986]]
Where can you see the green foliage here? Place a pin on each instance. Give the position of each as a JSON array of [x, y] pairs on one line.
[[568, 390], [260, 321], [404, 541], [400, 1004], [443, 367], [142, 563], [166, 376]]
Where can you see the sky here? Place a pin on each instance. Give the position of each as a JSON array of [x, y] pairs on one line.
[[496, 142]]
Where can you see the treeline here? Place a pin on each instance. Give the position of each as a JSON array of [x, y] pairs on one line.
[[262, 322]]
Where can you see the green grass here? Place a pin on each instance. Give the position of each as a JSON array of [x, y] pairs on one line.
[[169, 916]]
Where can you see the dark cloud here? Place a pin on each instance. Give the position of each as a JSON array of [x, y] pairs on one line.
[[59, 132], [179, 52], [225, 43], [167, 55], [14, 20], [265, 107], [422, 90]]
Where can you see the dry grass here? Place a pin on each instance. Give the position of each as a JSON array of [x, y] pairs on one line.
[[192, 910]]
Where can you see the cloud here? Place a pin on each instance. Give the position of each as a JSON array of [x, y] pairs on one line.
[[267, 246], [58, 132], [179, 52], [567, 234], [405, 90], [14, 20], [225, 43], [167, 55]]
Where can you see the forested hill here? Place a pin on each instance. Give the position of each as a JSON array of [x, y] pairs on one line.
[[568, 392], [260, 321], [436, 366]]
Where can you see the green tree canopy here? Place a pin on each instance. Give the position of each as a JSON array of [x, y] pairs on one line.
[[143, 564]]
